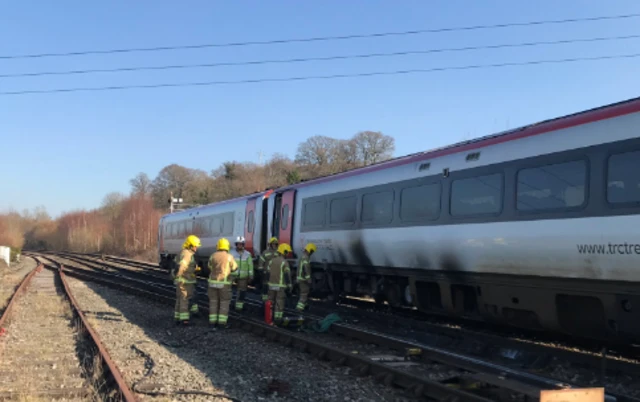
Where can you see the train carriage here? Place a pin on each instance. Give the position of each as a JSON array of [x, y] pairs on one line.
[[534, 227]]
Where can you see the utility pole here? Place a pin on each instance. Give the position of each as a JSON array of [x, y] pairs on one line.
[[260, 157]]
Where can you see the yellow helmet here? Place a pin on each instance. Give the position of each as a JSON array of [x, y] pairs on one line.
[[310, 248], [284, 249], [273, 240], [191, 241], [223, 244]]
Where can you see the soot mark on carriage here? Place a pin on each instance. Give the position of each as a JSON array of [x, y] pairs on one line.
[[342, 257], [360, 254], [452, 267]]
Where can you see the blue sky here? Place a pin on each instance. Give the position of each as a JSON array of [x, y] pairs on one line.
[[66, 151]]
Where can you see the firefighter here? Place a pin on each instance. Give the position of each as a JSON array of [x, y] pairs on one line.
[[263, 265], [244, 274], [279, 280], [185, 279], [221, 267], [304, 276]]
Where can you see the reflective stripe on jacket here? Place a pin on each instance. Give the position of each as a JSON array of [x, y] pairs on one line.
[[266, 258], [245, 264], [186, 267], [221, 266], [304, 269], [279, 273]]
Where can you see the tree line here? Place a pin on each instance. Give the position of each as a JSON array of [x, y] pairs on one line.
[[127, 224]]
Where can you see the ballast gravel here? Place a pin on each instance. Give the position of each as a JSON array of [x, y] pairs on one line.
[[232, 363]]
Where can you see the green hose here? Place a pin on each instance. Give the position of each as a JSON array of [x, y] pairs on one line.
[[324, 324]]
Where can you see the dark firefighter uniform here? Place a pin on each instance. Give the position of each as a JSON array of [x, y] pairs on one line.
[[279, 280], [304, 276], [263, 265]]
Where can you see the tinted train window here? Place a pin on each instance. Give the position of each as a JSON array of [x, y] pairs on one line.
[[343, 210], [284, 219], [623, 178], [377, 207], [477, 195], [250, 222], [551, 187], [313, 214], [419, 203]]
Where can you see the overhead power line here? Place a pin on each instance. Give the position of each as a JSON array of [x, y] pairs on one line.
[[307, 59], [317, 77], [324, 38]]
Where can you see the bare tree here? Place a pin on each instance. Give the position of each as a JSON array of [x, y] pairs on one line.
[[373, 147], [318, 150], [141, 184], [172, 178], [111, 208]]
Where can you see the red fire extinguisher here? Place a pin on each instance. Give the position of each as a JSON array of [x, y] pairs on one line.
[[268, 314]]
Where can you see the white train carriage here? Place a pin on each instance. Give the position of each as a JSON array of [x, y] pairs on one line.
[[210, 223], [534, 227]]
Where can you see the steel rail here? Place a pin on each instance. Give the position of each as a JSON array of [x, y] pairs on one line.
[[20, 289]]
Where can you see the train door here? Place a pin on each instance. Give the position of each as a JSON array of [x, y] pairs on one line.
[[249, 225], [283, 216]]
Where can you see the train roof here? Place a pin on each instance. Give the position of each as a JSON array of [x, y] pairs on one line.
[[201, 207], [576, 119]]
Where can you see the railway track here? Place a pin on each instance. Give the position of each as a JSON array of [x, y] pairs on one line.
[[511, 348], [450, 325], [47, 349], [392, 360]]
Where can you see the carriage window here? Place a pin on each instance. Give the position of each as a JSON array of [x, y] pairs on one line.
[[552, 186], [203, 226], [216, 226], [227, 224], [284, 218], [314, 213], [623, 178], [250, 222], [377, 207], [477, 195], [343, 210], [420, 203]]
